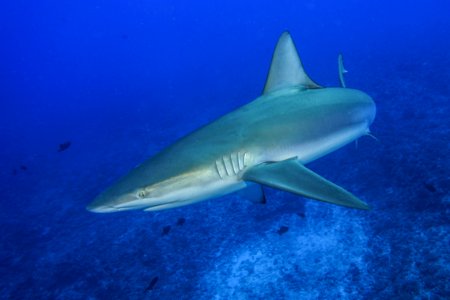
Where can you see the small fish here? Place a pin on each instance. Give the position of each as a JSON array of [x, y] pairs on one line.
[[166, 230], [430, 187], [181, 221], [152, 283], [64, 146], [14, 172], [283, 230], [23, 167], [301, 214]]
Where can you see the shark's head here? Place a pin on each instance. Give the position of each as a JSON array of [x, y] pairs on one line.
[[141, 189], [120, 196], [133, 191]]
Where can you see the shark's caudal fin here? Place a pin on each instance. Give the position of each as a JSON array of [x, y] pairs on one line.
[[286, 69], [290, 175]]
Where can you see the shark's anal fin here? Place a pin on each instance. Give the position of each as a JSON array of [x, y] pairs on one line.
[[341, 70], [286, 69], [290, 175], [253, 192]]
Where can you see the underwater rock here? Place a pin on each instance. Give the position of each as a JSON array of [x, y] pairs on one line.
[[181, 221], [166, 230], [283, 230], [64, 146], [152, 283]]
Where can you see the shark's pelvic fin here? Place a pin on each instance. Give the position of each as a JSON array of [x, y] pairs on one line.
[[341, 70], [286, 69], [253, 192], [290, 175]]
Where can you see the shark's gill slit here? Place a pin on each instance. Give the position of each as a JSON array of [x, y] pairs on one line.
[[234, 163], [240, 163], [244, 161], [226, 166], [218, 169]]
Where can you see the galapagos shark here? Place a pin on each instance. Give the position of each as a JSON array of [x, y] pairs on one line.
[[266, 142]]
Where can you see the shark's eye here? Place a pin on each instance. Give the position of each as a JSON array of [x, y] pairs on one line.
[[141, 194]]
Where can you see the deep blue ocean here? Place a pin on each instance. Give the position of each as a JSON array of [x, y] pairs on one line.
[[121, 80]]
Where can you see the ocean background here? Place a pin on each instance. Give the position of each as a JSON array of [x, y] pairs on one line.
[[121, 80]]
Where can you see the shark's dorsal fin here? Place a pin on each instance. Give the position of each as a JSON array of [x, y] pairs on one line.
[[286, 69], [290, 175]]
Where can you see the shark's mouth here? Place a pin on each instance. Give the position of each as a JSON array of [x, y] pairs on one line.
[[163, 206], [143, 204]]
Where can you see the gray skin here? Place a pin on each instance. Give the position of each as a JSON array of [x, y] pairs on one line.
[[210, 162]]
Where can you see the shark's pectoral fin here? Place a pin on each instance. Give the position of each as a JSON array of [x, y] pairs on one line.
[[253, 192], [290, 175]]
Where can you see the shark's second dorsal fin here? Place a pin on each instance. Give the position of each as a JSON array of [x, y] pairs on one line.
[[341, 70], [286, 69]]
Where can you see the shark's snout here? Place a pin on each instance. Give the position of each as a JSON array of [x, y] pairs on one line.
[[120, 198], [100, 209], [100, 205], [110, 200]]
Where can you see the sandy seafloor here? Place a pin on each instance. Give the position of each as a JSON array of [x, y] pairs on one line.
[[229, 248]]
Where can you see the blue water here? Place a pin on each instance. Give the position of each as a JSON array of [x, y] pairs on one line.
[[121, 80]]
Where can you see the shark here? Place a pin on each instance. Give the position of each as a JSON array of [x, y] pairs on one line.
[[265, 143]]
